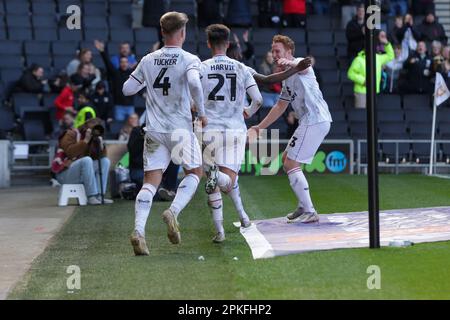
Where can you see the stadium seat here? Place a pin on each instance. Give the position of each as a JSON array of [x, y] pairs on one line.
[[338, 130], [22, 99], [10, 74], [13, 21], [95, 22], [390, 116], [17, 7], [418, 116], [332, 90], [95, 34], [64, 4], [339, 37], [416, 101], [264, 35], [318, 23], [330, 76], [94, 8], [17, 33], [420, 131], [357, 115], [327, 51], [33, 130], [48, 100], [45, 34], [41, 21], [186, 6], [389, 102], [65, 34], [297, 35], [11, 47], [146, 35], [44, 60], [38, 114], [347, 89], [120, 8], [43, 7], [341, 50], [60, 62], [37, 47], [11, 61], [320, 37], [65, 47], [325, 64], [122, 34], [114, 129], [122, 21], [142, 48], [392, 130], [338, 115], [7, 120], [358, 130]]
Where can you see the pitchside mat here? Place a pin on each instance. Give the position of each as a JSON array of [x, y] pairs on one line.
[[276, 237]]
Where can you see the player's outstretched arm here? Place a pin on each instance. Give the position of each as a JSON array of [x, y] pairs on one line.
[[196, 90], [256, 103], [276, 111], [280, 76]]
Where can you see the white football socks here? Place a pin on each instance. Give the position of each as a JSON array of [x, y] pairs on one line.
[[216, 204], [235, 196], [185, 192], [142, 207], [300, 187]]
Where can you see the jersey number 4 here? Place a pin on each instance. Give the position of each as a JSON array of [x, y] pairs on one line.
[[165, 84], [213, 94]]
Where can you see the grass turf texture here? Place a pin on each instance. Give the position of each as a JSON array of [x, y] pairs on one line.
[[96, 239]]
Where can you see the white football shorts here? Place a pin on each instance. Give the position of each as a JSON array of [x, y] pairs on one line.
[[306, 140], [224, 149], [180, 146]]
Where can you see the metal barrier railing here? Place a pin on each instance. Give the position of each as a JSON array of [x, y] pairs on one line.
[[397, 165]]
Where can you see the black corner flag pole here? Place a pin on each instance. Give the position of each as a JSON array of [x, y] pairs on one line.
[[372, 140]]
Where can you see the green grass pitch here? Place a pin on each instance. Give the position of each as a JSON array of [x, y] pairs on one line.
[[96, 239]]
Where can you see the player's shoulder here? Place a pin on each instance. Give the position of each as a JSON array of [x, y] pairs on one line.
[[189, 57]]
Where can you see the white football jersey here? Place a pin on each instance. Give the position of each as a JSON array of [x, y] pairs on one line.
[[303, 92], [168, 98], [225, 82]]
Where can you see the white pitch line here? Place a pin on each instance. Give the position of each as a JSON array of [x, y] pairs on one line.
[[259, 245], [442, 176]]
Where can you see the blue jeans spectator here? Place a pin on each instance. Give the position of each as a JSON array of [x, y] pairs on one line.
[[269, 99], [321, 6], [121, 113], [398, 7], [86, 171]]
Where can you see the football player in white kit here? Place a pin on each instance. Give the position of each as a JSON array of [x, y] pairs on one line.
[[225, 84], [172, 78], [302, 92]]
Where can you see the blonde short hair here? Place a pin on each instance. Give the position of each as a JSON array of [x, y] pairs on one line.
[[286, 41], [173, 21]]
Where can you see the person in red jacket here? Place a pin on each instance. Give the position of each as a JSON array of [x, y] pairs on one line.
[[294, 13], [65, 101]]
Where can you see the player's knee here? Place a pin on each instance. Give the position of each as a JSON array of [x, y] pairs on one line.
[[87, 161], [197, 171]]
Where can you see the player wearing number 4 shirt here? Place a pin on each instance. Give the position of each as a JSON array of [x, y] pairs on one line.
[[172, 78], [303, 93], [226, 82]]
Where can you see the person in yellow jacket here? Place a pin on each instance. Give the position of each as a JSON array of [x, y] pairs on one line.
[[357, 70]]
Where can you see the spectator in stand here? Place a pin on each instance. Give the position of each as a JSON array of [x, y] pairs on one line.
[[132, 122], [321, 6], [446, 67], [238, 14], [124, 51], [84, 56], [393, 69], [209, 12], [409, 35], [235, 48], [348, 10], [418, 71], [269, 92], [65, 100], [422, 7], [269, 12], [396, 34], [398, 7], [357, 71], [103, 103], [59, 82], [83, 77], [355, 33], [33, 80], [80, 165], [124, 105], [294, 13], [436, 55], [431, 30], [67, 123]]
